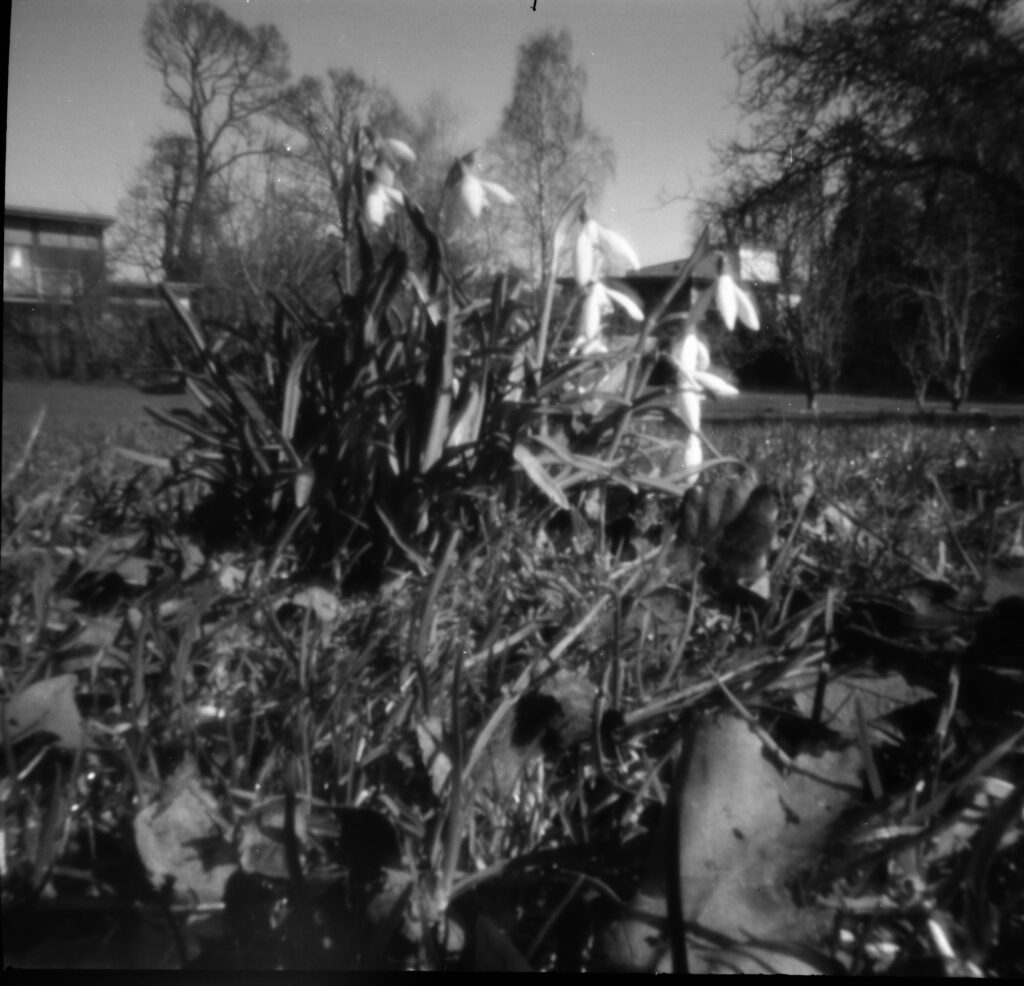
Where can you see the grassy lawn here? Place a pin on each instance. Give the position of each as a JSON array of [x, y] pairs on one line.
[[111, 408], [214, 758]]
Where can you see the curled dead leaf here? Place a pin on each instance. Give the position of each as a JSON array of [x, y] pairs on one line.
[[181, 839], [747, 833], [47, 706]]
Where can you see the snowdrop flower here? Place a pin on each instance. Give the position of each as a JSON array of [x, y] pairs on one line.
[[472, 193], [599, 296], [599, 301], [380, 201], [389, 154], [693, 361], [593, 236], [732, 300]]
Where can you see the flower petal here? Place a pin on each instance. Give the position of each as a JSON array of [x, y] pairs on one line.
[[471, 195], [725, 299], [626, 303], [689, 408], [376, 206], [746, 310], [380, 203], [590, 313], [400, 149], [501, 193], [618, 249], [685, 354], [583, 259], [714, 384]]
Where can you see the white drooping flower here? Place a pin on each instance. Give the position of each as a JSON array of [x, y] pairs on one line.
[[733, 301], [472, 194], [594, 237], [388, 155], [381, 200], [598, 302], [693, 361]]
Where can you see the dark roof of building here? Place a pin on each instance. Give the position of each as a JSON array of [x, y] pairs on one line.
[[56, 215], [707, 269]]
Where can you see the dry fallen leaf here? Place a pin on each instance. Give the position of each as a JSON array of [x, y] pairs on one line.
[[47, 706], [261, 837], [748, 834], [182, 840]]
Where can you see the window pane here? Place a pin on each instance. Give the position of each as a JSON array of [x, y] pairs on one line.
[[82, 242], [50, 238], [17, 236]]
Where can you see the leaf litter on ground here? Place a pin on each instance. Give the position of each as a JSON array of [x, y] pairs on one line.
[[948, 801]]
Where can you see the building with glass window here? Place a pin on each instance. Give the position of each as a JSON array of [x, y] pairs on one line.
[[54, 278]]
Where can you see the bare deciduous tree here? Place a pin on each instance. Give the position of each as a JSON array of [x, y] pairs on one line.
[[545, 143], [222, 77], [959, 283]]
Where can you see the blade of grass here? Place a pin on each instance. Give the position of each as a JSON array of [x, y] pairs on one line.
[[26, 452]]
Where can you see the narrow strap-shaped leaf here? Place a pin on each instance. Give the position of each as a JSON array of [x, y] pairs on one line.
[[420, 561], [214, 366], [157, 461], [440, 388], [210, 437], [293, 389], [542, 479]]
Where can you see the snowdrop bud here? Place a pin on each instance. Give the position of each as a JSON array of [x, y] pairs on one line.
[[303, 486]]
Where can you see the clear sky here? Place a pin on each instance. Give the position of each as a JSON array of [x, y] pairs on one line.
[[82, 102]]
